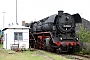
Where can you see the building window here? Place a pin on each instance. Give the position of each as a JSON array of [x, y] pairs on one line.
[[18, 35]]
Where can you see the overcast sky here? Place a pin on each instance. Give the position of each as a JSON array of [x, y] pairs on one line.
[[30, 10]]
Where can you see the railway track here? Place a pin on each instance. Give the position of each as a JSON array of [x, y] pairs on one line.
[[74, 56], [86, 56]]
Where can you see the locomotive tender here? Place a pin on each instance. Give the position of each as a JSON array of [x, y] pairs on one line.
[[56, 33]]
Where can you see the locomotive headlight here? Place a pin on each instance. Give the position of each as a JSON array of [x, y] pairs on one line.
[[60, 38], [77, 39]]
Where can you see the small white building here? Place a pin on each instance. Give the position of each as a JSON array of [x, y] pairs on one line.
[[16, 34]]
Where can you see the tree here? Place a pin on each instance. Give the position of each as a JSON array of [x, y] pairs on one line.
[[26, 24]]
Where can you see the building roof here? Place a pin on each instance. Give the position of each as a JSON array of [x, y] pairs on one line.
[[16, 27]]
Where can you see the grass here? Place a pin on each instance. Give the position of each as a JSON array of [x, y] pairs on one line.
[[28, 55], [55, 56], [1, 45]]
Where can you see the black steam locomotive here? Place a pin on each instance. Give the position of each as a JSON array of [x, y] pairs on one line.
[[55, 33]]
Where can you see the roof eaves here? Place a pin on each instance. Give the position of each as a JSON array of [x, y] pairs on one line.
[[4, 29]]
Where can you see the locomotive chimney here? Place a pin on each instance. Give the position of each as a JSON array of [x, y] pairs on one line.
[[60, 13]]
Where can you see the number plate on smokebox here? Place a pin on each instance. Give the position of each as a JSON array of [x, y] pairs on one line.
[[66, 25]]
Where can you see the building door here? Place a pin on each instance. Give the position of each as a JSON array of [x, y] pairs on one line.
[[6, 41]]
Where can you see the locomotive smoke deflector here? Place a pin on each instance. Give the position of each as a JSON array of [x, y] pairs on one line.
[[77, 18]]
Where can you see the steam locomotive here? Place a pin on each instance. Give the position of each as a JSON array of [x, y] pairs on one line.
[[55, 33]]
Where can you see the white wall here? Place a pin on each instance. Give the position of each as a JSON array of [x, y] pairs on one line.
[[10, 38]]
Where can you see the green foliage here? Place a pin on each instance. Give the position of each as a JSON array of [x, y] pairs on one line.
[[26, 24], [84, 35], [84, 52]]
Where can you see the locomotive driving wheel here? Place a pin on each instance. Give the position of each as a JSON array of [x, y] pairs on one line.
[[37, 43]]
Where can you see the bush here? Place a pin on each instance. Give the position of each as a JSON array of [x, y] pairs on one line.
[[84, 35], [84, 52]]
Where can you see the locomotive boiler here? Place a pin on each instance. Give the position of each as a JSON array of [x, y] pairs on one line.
[[56, 32]]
